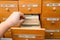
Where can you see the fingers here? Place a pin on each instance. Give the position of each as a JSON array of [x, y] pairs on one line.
[[22, 16], [18, 15], [22, 20]]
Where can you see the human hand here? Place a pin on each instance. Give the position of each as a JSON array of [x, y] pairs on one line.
[[15, 18]]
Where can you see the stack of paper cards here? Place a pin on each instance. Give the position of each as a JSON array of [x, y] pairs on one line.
[[31, 20]]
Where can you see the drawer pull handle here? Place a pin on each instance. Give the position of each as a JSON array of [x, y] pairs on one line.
[[7, 9], [52, 22], [54, 8], [29, 9], [51, 34]]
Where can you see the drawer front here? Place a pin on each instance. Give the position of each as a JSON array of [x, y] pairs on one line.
[[15, 38], [48, 35], [54, 34], [30, 6], [50, 22], [50, 8], [27, 34], [7, 7], [39, 32], [57, 35], [27, 37]]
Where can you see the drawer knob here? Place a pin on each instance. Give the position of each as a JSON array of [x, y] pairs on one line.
[[51, 34], [54, 8], [26, 39], [23, 5], [29, 9], [7, 9], [52, 22]]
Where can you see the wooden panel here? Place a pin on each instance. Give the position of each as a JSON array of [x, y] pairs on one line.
[[30, 6], [49, 25], [53, 35], [28, 33], [48, 35], [50, 14], [57, 35], [50, 8], [7, 7]]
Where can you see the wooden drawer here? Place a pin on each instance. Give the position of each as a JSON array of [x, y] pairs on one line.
[[30, 6], [54, 34], [7, 7], [50, 22], [50, 8], [48, 35], [57, 35], [27, 34]]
